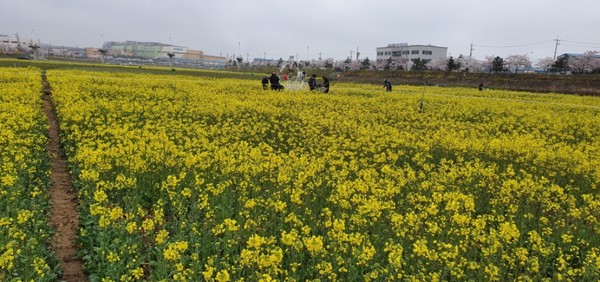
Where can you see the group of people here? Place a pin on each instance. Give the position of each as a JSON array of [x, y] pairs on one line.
[[274, 80], [312, 83]]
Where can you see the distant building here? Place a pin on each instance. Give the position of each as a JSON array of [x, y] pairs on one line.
[[426, 53], [69, 51], [160, 51], [12, 44], [568, 56], [261, 62]]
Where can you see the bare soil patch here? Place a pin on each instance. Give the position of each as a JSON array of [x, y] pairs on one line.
[[64, 214]]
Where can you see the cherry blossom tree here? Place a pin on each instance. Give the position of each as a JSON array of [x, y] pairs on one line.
[[586, 63], [488, 63], [396, 63], [348, 64], [400, 63], [469, 64], [494, 64], [439, 64], [545, 63], [517, 62]]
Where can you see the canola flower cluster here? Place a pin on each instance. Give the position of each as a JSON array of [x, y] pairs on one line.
[[24, 179], [184, 178]]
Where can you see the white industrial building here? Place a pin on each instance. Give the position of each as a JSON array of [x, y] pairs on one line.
[[426, 53], [10, 44]]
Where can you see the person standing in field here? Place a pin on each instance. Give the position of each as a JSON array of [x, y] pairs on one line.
[[312, 82], [265, 82], [301, 75], [325, 85], [274, 79], [388, 85]]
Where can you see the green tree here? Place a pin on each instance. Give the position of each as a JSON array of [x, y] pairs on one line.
[[452, 65], [498, 64], [365, 64], [560, 64], [418, 65]]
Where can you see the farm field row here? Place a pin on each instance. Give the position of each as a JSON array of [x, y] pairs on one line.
[[189, 179], [24, 179]]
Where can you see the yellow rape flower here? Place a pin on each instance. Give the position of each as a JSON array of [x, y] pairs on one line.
[[100, 196], [250, 203], [255, 241], [208, 273], [137, 273], [509, 232], [222, 276], [314, 244], [131, 227], [161, 236], [420, 248], [148, 224], [289, 238], [186, 192], [231, 224], [112, 257], [40, 266], [339, 225], [174, 250], [116, 213], [266, 278], [24, 215], [279, 206], [104, 221]]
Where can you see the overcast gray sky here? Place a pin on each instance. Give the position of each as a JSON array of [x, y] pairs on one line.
[[307, 28]]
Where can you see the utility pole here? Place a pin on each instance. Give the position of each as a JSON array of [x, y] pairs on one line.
[[351, 52], [307, 52], [471, 51], [556, 47], [357, 53]]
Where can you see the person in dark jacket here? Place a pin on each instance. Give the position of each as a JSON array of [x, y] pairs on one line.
[[274, 79], [265, 82], [312, 82], [325, 85], [388, 85], [482, 87]]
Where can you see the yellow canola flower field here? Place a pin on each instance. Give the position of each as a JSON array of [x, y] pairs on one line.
[[185, 178], [24, 179]]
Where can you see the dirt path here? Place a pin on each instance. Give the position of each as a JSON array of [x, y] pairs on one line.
[[64, 215]]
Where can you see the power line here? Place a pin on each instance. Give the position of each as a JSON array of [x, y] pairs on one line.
[[582, 43], [579, 45], [514, 46]]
